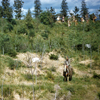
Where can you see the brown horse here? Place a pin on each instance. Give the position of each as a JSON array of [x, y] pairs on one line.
[[68, 73]]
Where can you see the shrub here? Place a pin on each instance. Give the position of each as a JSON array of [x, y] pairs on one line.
[[11, 64], [22, 30], [28, 77], [13, 22], [95, 75], [5, 29], [46, 18], [71, 89], [50, 75], [44, 35], [10, 27], [52, 69], [99, 95], [12, 53], [31, 33], [6, 91], [14, 64], [53, 57]]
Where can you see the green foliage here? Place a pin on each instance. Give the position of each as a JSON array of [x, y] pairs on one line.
[[13, 22], [9, 27], [37, 10], [18, 4], [5, 29], [12, 53], [1, 11], [46, 18], [53, 69], [95, 75], [29, 20], [64, 8], [50, 88], [22, 30], [50, 75], [98, 95], [27, 77], [84, 9], [14, 64], [7, 91], [11, 64], [7, 10], [31, 33], [71, 89], [76, 10], [44, 35], [53, 57]]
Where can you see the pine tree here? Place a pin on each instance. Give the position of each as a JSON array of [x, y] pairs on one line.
[[64, 8], [7, 10], [52, 11], [76, 10], [1, 12], [18, 5], [84, 9], [28, 19], [37, 8]]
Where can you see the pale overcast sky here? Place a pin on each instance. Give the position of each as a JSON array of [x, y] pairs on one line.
[[93, 5]]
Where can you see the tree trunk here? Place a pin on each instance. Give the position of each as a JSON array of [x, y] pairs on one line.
[[3, 50]]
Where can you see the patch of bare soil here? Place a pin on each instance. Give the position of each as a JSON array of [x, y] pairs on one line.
[[45, 62], [86, 62]]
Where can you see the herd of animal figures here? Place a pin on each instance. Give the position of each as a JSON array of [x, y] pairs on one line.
[[73, 19]]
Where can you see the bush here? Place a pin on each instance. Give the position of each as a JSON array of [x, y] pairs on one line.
[[50, 75], [44, 35], [14, 64], [99, 95], [12, 53], [10, 27], [28, 77], [22, 30], [53, 57], [52, 69], [46, 18], [11, 64], [31, 33], [5, 29], [13, 22], [95, 75]]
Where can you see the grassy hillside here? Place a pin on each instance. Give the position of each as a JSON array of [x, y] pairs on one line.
[[20, 44]]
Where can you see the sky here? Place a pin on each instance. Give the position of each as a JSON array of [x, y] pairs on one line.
[[93, 5]]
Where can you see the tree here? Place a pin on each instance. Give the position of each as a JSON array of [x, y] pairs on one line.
[[76, 10], [64, 8], [37, 8], [46, 17], [84, 9], [18, 5], [52, 11], [1, 11], [7, 10], [28, 20]]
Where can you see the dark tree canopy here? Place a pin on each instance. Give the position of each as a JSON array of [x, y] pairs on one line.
[[18, 4], [37, 6], [1, 11], [84, 9], [46, 17], [64, 8], [76, 9], [6, 9]]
